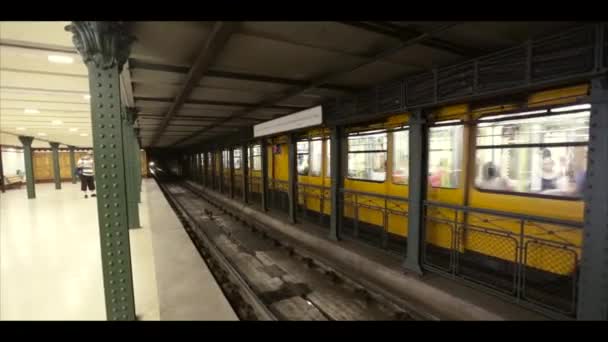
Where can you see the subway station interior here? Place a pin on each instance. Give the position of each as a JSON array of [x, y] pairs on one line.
[[303, 171]]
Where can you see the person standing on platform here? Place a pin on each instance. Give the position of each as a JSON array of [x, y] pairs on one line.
[[87, 174]]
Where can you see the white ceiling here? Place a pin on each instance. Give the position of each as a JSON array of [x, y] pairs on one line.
[[53, 94]]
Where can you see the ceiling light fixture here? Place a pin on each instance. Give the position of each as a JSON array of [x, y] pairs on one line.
[[56, 122], [31, 111], [21, 128], [60, 59], [87, 97], [84, 135], [42, 134], [73, 129]]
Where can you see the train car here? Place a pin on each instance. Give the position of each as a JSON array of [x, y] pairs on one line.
[[503, 202]]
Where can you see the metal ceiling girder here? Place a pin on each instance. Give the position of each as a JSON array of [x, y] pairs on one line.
[[218, 37], [326, 78], [142, 65], [405, 33]]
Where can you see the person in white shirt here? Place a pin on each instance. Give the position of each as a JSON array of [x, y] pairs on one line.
[[87, 174]]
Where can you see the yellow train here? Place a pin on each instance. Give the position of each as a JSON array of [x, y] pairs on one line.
[[503, 202], [504, 188]]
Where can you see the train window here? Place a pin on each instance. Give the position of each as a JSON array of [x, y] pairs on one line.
[[226, 160], [544, 155], [316, 157], [327, 158], [367, 156], [445, 156], [236, 154], [256, 157], [401, 156], [209, 160], [303, 158]]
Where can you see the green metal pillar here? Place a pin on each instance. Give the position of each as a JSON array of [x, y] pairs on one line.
[[29, 166], [56, 169], [105, 47], [130, 167], [231, 161], [417, 188], [73, 165], [593, 280], [245, 171], [292, 176], [337, 181], [1, 172], [205, 167], [221, 177], [136, 162], [264, 156]]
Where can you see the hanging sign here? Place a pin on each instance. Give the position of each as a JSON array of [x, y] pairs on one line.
[[306, 118]]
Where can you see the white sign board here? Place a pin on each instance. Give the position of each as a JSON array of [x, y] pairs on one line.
[[306, 118]]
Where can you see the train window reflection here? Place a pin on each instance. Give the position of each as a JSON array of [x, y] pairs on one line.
[[303, 158], [445, 156], [541, 155], [226, 159], [255, 157], [236, 154], [367, 156], [316, 157], [327, 158], [401, 157]]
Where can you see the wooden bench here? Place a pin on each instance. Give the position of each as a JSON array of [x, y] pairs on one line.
[[13, 182]]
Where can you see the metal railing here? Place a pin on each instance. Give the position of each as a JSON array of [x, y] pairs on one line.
[[255, 189], [278, 198], [534, 260], [314, 203], [380, 220], [573, 55]]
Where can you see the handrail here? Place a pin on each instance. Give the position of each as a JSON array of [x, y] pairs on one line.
[[375, 194], [540, 219]]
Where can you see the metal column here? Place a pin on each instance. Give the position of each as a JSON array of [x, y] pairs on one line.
[[29, 166], [56, 169], [104, 47], [213, 176], [264, 180], [205, 168], [231, 161], [130, 167], [1, 172], [245, 172], [292, 176], [73, 165], [417, 188], [221, 166], [593, 283], [337, 181]]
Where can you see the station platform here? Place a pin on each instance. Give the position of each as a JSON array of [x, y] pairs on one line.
[[50, 260]]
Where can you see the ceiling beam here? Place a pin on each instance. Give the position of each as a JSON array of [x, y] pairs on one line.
[[142, 65], [37, 46], [323, 79], [219, 36], [405, 33], [218, 103]]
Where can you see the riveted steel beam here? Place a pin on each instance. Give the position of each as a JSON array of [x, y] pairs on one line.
[[29, 166], [130, 153], [292, 176], [337, 181], [56, 169], [104, 47], [219, 36], [593, 281], [417, 188]]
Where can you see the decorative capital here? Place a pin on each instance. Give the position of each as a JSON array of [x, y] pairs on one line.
[[54, 145], [71, 148], [26, 141], [105, 43]]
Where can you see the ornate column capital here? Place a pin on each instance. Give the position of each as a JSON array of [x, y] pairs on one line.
[[54, 144], [25, 140], [105, 43]]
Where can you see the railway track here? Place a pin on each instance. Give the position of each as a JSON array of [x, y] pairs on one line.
[[264, 278]]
